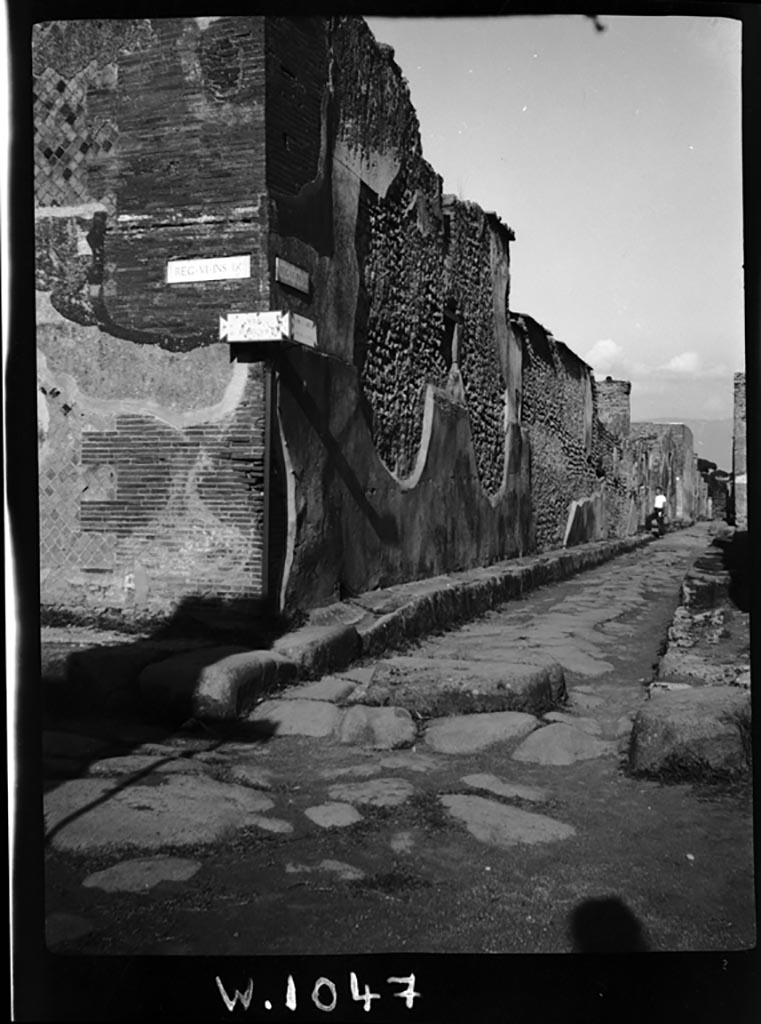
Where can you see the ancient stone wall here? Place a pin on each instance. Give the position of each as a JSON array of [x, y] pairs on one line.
[[151, 444], [613, 405], [428, 430], [416, 463], [663, 457], [573, 455], [718, 484], [739, 455]]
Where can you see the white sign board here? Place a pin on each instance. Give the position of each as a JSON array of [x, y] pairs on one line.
[[213, 268], [291, 275], [273, 325], [303, 331]]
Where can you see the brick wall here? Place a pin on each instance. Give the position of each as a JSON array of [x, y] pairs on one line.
[[149, 145], [613, 405], [191, 179], [296, 74]]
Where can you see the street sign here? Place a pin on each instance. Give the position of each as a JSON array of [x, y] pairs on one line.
[[273, 325], [213, 268], [303, 331], [291, 275]]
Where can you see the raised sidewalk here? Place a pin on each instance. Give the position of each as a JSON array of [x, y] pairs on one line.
[[181, 678]]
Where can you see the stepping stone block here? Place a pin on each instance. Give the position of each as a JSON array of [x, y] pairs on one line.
[[698, 733]]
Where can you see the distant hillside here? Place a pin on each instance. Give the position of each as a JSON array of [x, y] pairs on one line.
[[712, 439]]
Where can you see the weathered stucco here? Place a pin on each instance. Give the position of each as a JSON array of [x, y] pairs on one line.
[[404, 459], [357, 527], [151, 443]]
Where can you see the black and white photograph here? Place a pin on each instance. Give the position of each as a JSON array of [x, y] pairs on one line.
[[391, 566]]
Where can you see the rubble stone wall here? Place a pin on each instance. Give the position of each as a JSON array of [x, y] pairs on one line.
[[574, 457], [613, 405], [401, 454]]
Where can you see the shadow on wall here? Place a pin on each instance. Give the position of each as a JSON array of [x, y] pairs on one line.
[[385, 526], [736, 558], [606, 925]]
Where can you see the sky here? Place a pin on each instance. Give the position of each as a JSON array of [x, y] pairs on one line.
[[615, 156]]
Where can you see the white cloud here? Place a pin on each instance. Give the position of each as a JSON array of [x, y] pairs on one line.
[[685, 362], [690, 364], [605, 355]]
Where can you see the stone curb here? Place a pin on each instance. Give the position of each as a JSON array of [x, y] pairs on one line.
[[361, 627], [465, 599], [667, 744]]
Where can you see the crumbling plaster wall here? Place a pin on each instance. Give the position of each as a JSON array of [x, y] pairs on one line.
[[402, 452], [150, 441]]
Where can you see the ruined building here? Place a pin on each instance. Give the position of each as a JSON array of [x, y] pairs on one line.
[[739, 456], [276, 364]]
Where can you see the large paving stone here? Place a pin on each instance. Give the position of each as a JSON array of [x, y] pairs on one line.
[[298, 717], [501, 825], [91, 814], [463, 734], [376, 792], [334, 814], [584, 701], [561, 744], [381, 728], [581, 662], [696, 733], [446, 686], [142, 873], [218, 683], [331, 688]]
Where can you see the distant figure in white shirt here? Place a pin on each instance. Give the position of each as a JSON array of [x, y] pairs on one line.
[[658, 515]]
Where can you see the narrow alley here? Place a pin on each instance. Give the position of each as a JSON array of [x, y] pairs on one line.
[[490, 831]]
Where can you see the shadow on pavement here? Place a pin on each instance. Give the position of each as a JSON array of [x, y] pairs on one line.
[[92, 693], [606, 925]]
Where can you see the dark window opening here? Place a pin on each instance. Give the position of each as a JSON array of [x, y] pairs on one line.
[[448, 342]]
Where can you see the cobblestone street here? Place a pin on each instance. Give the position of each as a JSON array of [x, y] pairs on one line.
[[494, 830]]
